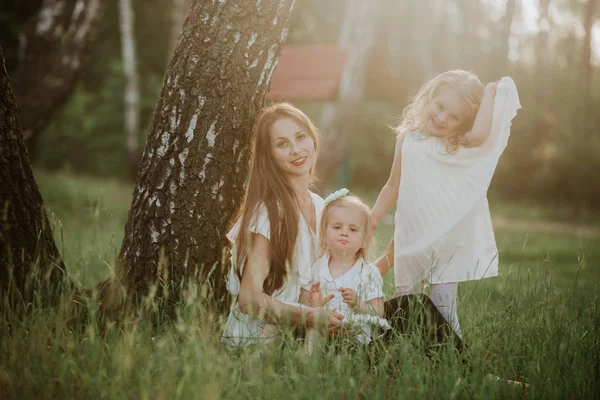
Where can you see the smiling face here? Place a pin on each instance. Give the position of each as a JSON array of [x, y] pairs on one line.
[[345, 229], [292, 148], [445, 114]]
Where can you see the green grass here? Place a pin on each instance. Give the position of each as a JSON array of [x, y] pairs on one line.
[[539, 321]]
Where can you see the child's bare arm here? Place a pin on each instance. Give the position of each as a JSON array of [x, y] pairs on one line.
[[483, 121], [386, 260], [389, 193]]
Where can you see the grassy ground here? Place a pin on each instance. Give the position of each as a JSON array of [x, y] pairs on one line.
[[539, 321]]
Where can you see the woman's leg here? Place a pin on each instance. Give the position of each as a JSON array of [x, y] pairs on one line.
[[416, 313], [444, 296]]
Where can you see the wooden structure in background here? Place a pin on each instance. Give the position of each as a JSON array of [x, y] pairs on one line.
[[313, 72]]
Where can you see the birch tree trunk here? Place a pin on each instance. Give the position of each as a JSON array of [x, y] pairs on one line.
[[25, 236], [132, 94], [358, 36], [507, 22], [588, 23], [542, 50], [54, 46], [192, 174]]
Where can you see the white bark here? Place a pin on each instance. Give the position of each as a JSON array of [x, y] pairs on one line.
[[132, 96]]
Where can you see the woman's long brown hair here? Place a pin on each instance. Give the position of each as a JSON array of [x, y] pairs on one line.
[[269, 186]]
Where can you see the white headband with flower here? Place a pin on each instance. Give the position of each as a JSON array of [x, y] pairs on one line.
[[336, 195]]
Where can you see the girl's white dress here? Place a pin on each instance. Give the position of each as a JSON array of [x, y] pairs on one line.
[[443, 229], [365, 279], [241, 329]]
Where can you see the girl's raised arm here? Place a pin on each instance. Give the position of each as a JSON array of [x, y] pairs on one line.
[[253, 301], [389, 194], [483, 121]]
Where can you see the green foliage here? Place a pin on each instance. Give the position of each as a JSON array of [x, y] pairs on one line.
[[93, 124], [552, 153], [538, 322]]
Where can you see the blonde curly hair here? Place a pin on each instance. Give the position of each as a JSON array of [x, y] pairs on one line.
[[471, 90]]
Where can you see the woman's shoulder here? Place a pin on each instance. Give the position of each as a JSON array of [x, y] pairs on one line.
[[259, 223], [317, 199]]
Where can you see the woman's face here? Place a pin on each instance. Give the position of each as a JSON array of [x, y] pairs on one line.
[[445, 113], [292, 147]]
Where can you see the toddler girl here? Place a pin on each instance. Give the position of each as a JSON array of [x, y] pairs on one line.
[[341, 278]]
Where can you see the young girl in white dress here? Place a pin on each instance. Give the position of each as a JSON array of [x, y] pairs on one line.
[[341, 278], [448, 145]]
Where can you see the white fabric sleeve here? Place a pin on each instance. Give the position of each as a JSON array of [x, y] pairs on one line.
[[259, 223], [371, 283], [315, 273]]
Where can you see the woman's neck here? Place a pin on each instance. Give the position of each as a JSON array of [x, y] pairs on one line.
[[300, 185]]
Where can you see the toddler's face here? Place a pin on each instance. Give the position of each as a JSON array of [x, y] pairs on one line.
[[445, 113], [345, 230]]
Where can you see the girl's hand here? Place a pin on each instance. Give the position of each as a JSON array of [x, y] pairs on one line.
[[316, 298], [491, 87], [350, 297]]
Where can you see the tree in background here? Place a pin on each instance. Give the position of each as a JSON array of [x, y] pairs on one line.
[[589, 17], [358, 37], [26, 241], [54, 45], [178, 13], [132, 91], [193, 170]]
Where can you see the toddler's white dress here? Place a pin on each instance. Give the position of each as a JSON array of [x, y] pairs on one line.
[[366, 280]]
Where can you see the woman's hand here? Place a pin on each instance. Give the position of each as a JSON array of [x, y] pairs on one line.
[[350, 297], [320, 317]]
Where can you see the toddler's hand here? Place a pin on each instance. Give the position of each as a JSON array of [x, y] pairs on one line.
[[316, 296], [350, 296]]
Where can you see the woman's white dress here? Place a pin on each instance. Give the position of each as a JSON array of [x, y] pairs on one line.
[[443, 229], [241, 329]]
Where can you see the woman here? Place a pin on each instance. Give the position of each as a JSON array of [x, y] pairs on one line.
[[274, 239]]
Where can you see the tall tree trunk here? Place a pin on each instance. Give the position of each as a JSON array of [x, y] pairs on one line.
[[359, 34], [178, 13], [588, 22], [54, 45], [470, 11], [542, 51], [25, 236], [507, 22], [132, 95], [195, 163], [422, 39]]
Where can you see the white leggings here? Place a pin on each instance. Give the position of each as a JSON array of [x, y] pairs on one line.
[[444, 296]]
